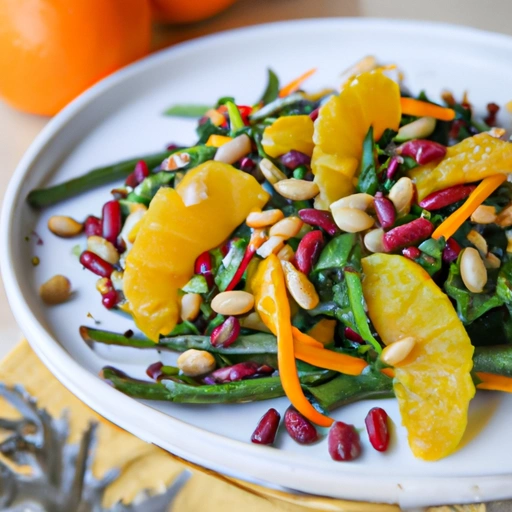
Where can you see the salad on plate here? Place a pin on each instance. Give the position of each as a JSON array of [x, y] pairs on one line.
[[332, 246]]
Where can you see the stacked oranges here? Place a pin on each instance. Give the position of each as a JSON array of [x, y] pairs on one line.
[[52, 50]]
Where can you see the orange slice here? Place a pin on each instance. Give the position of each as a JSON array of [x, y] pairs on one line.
[[208, 204], [287, 133], [433, 385], [370, 99]]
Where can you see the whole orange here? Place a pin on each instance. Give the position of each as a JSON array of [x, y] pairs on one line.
[[187, 11], [52, 50]]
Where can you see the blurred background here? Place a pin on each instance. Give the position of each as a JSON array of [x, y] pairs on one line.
[[33, 34]]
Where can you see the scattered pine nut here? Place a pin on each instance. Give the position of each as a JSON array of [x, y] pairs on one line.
[[194, 362], [190, 306], [56, 290], [65, 227], [264, 219], [286, 228], [472, 270], [232, 303], [297, 190], [396, 352]]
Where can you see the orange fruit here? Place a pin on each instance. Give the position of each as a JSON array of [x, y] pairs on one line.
[[433, 384], [370, 99], [187, 11], [472, 159], [206, 207], [52, 50], [287, 133]]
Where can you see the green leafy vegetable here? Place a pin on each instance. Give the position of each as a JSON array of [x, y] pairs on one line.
[[187, 111], [235, 119], [431, 258], [206, 129], [197, 284], [145, 191], [275, 106], [368, 181], [230, 263], [336, 253], [272, 90]]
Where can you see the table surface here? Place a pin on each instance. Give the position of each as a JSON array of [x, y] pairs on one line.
[[17, 130]]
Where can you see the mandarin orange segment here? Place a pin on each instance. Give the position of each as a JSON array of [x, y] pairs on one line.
[[208, 204], [471, 160], [288, 133], [433, 385], [370, 99]]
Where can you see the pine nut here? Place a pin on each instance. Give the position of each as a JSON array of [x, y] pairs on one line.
[[271, 172], [496, 132], [196, 362], [63, 226], [359, 201], [504, 219], [117, 280], [235, 149], [401, 195], [190, 306], [419, 129], [373, 240], [478, 241], [253, 321], [396, 352], [272, 246], [264, 219], [103, 248], [232, 303], [286, 228], [472, 270], [286, 253], [131, 221], [484, 214], [300, 287], [352, 220], [297, 190], [56, 290], [492, 261]]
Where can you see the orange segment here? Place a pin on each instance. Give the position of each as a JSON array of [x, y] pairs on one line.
[[287, 133], [471, 160], [208, 204], [433, 385], [370, 99]]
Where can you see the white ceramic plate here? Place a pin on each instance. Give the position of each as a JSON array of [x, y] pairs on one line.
[[121, 117]]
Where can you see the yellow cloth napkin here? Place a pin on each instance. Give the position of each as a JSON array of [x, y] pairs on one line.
[[147, 467]]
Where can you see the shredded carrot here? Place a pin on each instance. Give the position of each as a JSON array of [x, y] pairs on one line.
[[476, 198], [215, 117], [389, 372], [295, 84], [418, 108], [493, 382], [305, 339]]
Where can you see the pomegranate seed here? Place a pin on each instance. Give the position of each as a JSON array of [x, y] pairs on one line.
[[141, 171], [92, 226], [172, 146], [377, 427], [240, 371], [423, 151], [294, 158], [154, 371], [451, 250], [446, 197], [111, 221], [408, 234], [299, 428], [385, 211], [412, 253], [319, 218], [308, 251], [203, 267], [96, 264], [314, 115], [247, 164], [343, 442], [110, 299], [265, 432], [352, 335], [393, 166], [226, 333]]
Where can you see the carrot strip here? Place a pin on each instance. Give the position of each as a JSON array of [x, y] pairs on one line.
[[493, 382], [305, 339], [217, 140], [389, 372], [419, 108], [295, 84], [450, 225]]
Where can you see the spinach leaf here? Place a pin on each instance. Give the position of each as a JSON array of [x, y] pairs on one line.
[[145, 191], [184, 328], [224, 100], [276, 106], [206, 129], [431, 258], [272, 90], [492, 328], [230, 263], [504, 284], [336, 253], [197, 284], [368, 181], [386, 138], [186, 111]]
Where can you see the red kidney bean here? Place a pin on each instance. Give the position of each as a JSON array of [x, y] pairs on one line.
[[226, 333], [240, 371], [446, 197], [352, 335], [319, 218], [408, 234], [294, 158], [111, 219], [412, 253], [423, 151], [265, 432], [299, 428], [343, 442], [92, 226], [140, 172], [314, 114], [96, 264], [385, 211], [308, 251], [154, 371], [377, 427], [451, 250], [393, 166], [203, 267], [110, 299]]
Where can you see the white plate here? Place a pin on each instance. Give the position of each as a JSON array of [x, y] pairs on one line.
[[121, 117]]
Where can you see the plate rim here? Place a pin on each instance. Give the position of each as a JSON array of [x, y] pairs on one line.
[[414, 490]]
